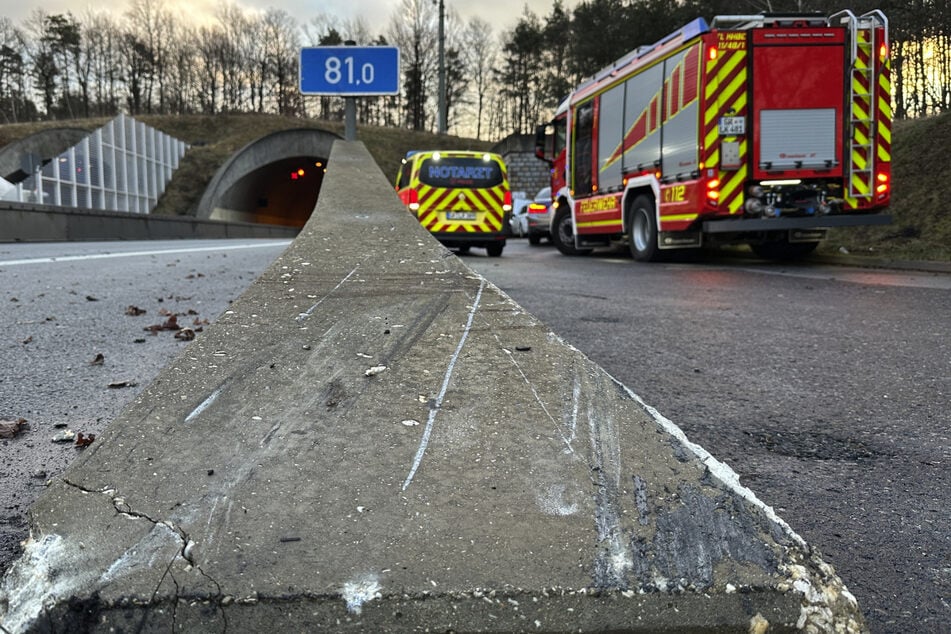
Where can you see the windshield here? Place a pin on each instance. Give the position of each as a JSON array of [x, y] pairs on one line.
[[471, 172]]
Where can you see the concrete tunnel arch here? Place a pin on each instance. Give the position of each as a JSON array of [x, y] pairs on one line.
[[273, 180]]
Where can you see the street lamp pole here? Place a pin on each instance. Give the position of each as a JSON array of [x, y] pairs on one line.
[[442, 67]]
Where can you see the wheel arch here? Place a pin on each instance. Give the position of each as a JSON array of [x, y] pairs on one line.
[[639, 185]]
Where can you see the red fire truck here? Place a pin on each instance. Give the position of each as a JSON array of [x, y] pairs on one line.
[[764, 130]]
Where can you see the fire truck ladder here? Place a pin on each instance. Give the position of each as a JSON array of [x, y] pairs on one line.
[[863, 99]]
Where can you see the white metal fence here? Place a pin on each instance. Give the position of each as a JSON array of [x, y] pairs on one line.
[[123, 166]]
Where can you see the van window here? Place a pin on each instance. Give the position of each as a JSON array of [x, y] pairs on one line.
[[460, 172]]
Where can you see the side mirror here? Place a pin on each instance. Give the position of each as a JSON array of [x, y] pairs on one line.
[[544, 144]]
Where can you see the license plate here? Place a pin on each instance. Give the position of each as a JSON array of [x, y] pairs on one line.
[[732, 126], [460, 215]]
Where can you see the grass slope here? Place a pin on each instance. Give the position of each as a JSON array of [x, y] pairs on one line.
[[921, 172], [921, 183]]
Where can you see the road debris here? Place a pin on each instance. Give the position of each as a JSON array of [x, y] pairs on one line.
[[170, 324], [134, 311], [119, 384], [84, 441], [99, 359], [67, 435], [375, 370], [10, 428]]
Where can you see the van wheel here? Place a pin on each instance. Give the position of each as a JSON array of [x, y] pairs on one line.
[[563, 234], [642, 230], [494, 250]]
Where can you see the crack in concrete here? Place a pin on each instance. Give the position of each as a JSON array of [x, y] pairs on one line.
[[186, 551]]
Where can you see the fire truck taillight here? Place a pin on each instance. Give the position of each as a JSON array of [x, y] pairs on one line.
[[713, 191], [507, 201], [412, 199], [882, 188], [712, 53], [882, 52]]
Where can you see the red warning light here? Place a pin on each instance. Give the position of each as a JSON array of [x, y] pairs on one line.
[[296, 174]]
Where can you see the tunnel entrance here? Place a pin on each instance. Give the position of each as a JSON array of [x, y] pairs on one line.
[[280, 193], [274, 180]]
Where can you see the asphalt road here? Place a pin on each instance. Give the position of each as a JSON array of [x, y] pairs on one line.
[[63, 305], [826, 388]]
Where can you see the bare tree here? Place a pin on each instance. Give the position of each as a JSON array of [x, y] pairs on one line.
[[481, 54], [13, 73], [281, 52], [413, 29]]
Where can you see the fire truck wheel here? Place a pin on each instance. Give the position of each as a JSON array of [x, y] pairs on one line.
[[562, 233], [783, 250], [643, 230]]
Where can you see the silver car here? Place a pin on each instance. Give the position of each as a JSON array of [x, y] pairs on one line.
[[538, 215]]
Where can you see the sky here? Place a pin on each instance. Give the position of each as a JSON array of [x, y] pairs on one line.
[[501, 14]]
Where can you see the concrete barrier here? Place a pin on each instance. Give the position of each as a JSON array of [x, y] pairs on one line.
[[20, 222], [375, 438]]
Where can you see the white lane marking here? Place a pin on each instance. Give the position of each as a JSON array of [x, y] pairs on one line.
[[133, 254], [302, 316], [424, 441]]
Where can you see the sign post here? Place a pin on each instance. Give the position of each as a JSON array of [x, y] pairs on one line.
[[350, 71]]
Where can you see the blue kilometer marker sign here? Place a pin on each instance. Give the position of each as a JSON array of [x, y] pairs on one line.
[[350, 71]]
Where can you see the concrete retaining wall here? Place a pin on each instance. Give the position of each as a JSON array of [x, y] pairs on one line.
[[32, 223], [373, 438]]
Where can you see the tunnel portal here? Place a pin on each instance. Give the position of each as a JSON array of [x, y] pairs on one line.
[[281, 193], [275, 180]]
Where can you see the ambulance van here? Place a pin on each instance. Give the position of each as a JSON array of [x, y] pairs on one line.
[[463, 198]]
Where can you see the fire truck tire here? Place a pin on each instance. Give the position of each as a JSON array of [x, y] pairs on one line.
[[494, 250], [563, 234], [643, 230], [783, 250]]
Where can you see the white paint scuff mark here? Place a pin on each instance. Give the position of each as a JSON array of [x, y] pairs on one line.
[[45, 573], [358, 592], [719, 470], [565, 439], [424, 441], [203, 406], [161, 543], [553, 502], [304, 315], [613, 553]]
